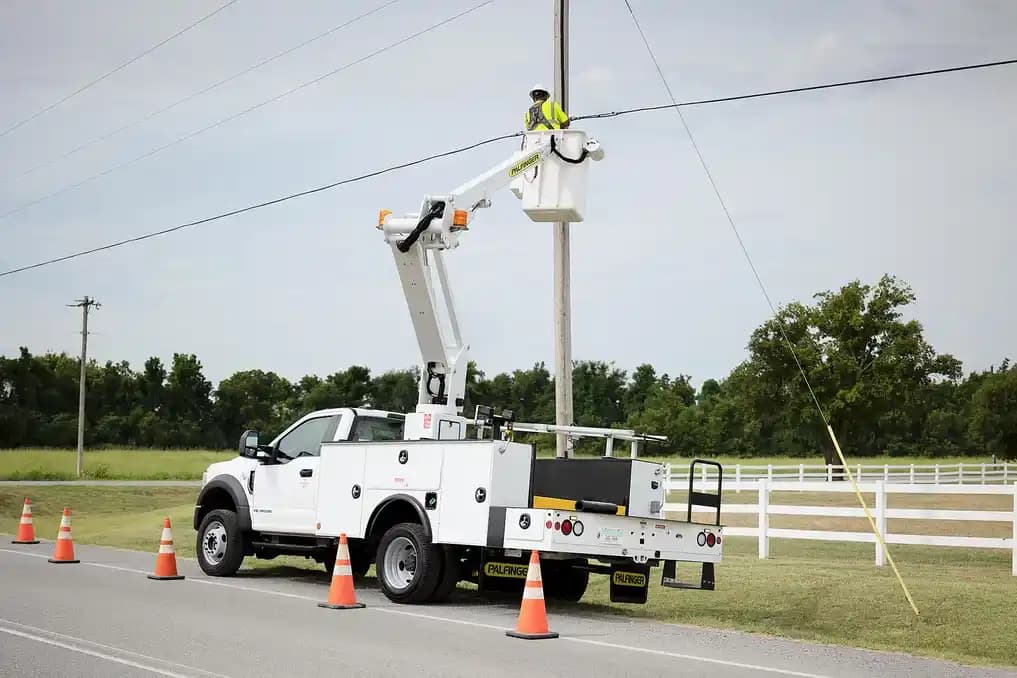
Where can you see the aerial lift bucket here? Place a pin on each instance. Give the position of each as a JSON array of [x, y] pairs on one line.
[[556, 190]]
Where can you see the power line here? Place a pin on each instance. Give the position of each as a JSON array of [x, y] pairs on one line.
[[798, 90], [250, 109], [276, 201], [115, 70], [677, 106], [780, 323], [206, 90]]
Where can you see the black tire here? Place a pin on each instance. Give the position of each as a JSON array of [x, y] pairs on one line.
[[565, 581], [359, 560], [426, 568], [220, 543], [451, 572]]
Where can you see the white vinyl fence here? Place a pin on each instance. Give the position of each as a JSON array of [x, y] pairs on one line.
[[763, 509], [936, 474]]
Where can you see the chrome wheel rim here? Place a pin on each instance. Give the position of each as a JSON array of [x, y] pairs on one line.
[[400, 563]]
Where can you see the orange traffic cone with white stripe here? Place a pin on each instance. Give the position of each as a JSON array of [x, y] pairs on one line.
[[64, 551], [341, 595], [532, 624], [26, 531], [166, 561]]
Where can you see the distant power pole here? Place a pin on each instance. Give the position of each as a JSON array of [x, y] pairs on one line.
[[84, 304], [562, 287]]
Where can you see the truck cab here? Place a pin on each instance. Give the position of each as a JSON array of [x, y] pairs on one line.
[[272, 488]]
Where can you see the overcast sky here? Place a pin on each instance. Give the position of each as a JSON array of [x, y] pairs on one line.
[[914, 178]]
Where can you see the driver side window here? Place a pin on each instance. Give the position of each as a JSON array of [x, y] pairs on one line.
[[308, 437]]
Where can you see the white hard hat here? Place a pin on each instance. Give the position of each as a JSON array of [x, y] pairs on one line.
[[540, 88]]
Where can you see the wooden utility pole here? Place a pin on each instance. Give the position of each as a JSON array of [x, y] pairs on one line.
[[562, 265], [84, 304]]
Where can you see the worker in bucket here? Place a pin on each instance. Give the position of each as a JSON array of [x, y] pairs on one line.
[[544, 114]]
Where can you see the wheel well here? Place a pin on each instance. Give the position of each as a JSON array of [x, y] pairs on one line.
[[217, 498], [398, 509]]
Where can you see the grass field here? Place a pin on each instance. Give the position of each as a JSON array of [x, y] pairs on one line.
[[142, 464], [829, 593]]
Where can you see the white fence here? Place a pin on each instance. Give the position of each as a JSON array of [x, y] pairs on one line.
[[937, 474], [763, 509]]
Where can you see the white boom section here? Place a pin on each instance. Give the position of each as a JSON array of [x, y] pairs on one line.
[[418, 241]]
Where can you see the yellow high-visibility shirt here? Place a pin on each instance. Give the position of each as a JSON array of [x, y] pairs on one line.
[[549, 116]]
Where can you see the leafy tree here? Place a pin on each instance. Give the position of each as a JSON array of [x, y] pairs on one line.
[[994, 416]]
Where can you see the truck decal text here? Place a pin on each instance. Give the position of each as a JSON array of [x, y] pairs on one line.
[[510, 570]]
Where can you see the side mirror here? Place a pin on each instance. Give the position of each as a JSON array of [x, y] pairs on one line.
[[249, 443]]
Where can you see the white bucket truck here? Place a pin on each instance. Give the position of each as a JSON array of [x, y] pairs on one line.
[[414, 495]]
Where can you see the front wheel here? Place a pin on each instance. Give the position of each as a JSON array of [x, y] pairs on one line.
[[220, 546], [408, 564]]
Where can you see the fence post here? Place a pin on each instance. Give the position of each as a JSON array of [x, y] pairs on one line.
[[936, 476], [859, 473], [801, 473], [609, 447], [829, 473], [960, 473], [634, 450], [983, 473], [880, 520], [703, 474], [769, 471], [886, 473], [764, 518], [912, 474], [1013, 570]]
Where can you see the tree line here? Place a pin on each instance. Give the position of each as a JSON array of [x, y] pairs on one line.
[[882, 387]]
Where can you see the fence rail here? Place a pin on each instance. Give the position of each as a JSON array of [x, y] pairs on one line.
[[763, 509], [936, 474]]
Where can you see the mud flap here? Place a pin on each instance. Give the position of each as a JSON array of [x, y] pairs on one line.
[[669, 577], [502, 573], [629, 583]]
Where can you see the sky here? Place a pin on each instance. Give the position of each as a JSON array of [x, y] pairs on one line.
[[910, 178]]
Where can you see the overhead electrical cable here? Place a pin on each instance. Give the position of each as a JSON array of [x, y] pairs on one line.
[[780, 323], [119, 68], [275, 201], [250, 109], [463, 149], [799, 90], [206, 90]]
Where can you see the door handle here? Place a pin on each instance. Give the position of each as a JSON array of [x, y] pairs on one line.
[[306, 472]]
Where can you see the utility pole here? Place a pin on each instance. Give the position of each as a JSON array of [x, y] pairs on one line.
[[562, 287], [84, 304]]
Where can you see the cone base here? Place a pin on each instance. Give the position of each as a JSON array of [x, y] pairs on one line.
[[531, 636], [18, 541], [165, 577], [353, 606], [61, 562]]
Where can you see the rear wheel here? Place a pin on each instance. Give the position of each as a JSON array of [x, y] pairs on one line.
[[565, 580], [408, 564]]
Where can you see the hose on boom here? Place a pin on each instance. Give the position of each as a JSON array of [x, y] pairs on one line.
[[436, 212]]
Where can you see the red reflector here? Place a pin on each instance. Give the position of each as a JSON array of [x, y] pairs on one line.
[[557, 525], [549, 524], [711, 539], [566, 527]]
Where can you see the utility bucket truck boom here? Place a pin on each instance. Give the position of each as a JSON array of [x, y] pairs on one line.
[[412, 493]]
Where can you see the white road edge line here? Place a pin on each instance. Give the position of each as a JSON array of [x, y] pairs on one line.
[[94, 653], [464, 622]]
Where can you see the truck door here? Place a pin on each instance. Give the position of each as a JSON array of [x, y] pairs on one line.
[[285, 492]]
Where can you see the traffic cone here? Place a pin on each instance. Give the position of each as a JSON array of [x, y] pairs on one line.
[[26, 531], [340, 594], [166, 561], [64, 552], [532, 624]]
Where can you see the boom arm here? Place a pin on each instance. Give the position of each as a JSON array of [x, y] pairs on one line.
[[418, 242]]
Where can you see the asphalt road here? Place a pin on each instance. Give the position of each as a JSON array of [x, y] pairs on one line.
[[103, 617]]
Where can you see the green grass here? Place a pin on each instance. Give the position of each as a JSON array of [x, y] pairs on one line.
[[824, 592], [36, 464]]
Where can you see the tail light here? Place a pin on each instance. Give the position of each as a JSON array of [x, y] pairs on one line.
[[711, 540], [566, 527]]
